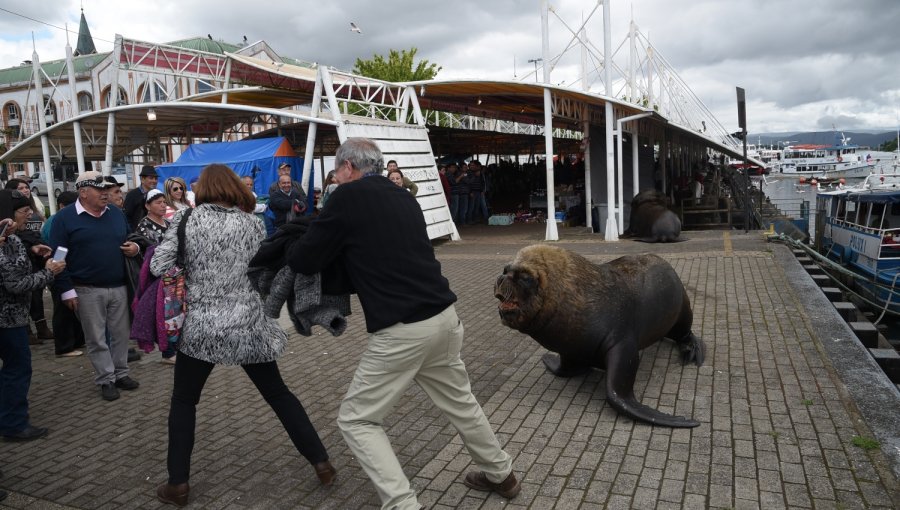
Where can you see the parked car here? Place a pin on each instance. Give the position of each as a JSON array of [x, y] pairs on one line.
[[39, 185]]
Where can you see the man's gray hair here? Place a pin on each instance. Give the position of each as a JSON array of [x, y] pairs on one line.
[[363, 155]]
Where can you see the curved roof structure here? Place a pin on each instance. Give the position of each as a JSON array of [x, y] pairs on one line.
[[134, 129]]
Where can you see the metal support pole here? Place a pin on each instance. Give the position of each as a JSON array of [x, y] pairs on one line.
[[634, 165], [76, 126], [611, 233], [586, 129], [552, 234], [309, 152], [227, 84], [42, 124], [114, 101]]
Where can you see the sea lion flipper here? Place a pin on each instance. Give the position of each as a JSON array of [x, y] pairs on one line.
[[621, 369], [562, 366], [693, 350]]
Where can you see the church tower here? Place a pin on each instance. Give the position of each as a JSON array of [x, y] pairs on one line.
[[85, 41]]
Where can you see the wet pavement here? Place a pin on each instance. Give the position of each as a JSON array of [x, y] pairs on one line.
[[781, 397]]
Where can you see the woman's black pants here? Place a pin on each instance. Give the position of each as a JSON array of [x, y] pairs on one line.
[[190, 376]]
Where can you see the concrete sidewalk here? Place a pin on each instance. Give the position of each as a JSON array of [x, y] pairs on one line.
[[777, 419]]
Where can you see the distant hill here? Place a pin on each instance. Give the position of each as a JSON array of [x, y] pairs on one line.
[[871, 140]]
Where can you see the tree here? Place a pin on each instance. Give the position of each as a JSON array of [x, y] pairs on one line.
[[399, 66]]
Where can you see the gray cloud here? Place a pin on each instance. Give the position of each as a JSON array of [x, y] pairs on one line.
[[796, 59]]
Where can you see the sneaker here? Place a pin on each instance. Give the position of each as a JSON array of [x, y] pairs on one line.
[[127, 383], [109, 392], [27, 434], [508, 488]]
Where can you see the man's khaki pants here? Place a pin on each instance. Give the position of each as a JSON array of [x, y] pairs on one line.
[[426, 352]]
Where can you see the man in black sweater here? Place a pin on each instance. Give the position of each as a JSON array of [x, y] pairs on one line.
[[375, 233]]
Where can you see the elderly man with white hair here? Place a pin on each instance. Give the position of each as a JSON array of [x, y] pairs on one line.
[[93, 284]]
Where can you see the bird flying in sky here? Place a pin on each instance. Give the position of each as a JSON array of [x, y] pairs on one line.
[[354, 28]]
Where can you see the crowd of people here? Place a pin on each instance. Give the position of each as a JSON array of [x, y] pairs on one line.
[[362, 215], [465, 187]]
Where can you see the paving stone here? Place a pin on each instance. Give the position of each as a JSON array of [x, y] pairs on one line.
[[758, 446]]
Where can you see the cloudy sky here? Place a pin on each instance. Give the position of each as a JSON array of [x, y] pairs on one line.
[[805, 64]]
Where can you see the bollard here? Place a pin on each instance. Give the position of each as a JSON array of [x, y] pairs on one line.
[[813, 269], [866, 332], [889, 361], [833, 293], [821, 279], [846, 310]]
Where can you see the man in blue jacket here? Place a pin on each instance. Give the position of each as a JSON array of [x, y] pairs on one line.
[[93, 283], [375, 232]]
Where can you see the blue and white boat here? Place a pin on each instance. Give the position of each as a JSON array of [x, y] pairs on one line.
[[835, 161], [859, 228]]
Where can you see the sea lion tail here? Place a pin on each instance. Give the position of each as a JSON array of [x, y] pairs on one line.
[[693, 350]]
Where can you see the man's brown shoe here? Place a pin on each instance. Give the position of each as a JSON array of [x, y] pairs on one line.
[[326, 472], [173, 494], [508, 488]]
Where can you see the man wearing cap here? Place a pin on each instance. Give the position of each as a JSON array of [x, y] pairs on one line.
[[116, 197], [93, 284], [134, 199], [285, 169]]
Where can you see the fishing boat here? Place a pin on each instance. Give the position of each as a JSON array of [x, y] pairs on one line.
[[858, 227], [838, 160]]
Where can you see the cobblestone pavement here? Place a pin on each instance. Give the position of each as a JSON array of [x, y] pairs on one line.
[[776, 425]]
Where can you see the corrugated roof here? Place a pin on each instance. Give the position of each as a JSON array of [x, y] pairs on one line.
[[205, 44], [23, 74]]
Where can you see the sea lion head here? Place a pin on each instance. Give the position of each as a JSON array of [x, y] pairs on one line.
[[527, 288]]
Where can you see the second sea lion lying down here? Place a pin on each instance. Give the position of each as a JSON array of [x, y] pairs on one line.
[[599, 316], [651, 220]]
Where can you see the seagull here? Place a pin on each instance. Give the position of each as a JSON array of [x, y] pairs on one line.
[[354, 28]]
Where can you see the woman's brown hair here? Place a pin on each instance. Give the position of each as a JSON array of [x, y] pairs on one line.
[[219, 184]]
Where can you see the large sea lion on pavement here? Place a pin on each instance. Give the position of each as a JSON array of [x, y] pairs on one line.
[[599, 316], [651, 220]]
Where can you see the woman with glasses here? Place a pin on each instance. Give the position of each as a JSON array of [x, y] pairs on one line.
[[30, 234], [17, 281], [176, 196]]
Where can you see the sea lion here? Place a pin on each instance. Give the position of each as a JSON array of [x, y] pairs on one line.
[[650, 220], [599, 316]]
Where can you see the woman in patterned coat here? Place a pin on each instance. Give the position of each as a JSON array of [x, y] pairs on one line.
[[225, 323], [17, 282]]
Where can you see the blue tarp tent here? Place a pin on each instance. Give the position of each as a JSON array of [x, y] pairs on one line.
[[244, 157]]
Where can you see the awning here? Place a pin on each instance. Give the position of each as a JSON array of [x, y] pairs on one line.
[[133, 129]]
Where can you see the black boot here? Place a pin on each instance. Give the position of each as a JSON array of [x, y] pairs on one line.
[[133, 355], [43, 332]]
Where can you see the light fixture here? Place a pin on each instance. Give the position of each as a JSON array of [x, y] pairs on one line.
[[151, 114], [479, 100]]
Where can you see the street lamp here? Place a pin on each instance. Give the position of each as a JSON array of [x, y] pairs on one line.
[[535, 62]]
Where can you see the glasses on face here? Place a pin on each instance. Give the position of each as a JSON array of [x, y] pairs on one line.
[[177, 188], [25, 211]]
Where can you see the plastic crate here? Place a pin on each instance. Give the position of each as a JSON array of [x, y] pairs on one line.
[[501, 219]]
